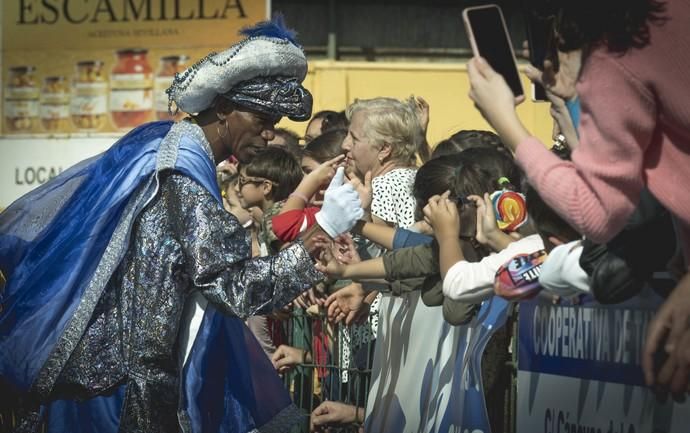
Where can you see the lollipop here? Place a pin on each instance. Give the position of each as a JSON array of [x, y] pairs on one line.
[[510, 209]]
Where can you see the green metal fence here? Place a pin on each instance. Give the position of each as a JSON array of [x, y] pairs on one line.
[[339, 371]]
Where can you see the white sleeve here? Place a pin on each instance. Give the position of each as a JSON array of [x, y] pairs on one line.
[[474, 282], [561, 272]]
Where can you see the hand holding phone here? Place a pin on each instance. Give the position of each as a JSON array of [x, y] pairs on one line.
[[488, 35], [542, 46]]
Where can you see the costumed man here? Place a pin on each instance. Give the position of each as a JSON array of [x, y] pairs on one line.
[[127, 281]]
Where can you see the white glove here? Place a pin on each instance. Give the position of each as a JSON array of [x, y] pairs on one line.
[[341, 206]]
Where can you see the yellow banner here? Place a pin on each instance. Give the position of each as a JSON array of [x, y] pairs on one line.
[[102, 24], [85, 66]]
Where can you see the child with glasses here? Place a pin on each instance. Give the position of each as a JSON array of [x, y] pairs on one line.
[[262, 186], [265, 183]]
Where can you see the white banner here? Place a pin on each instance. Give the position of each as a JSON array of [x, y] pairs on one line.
[[579, 370], [558, 404], [26, 163]]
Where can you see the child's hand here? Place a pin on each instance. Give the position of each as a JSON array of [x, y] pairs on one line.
[[422, 227], [347, 304], [344, 249], [227, 168], [285, 358], [329, 264], [324, 172], [333, 413], [309, 298], [257, 215], [442, 214], [487, 227]]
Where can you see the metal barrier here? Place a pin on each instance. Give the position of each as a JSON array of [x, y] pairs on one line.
[[333, 378], [339, 371]]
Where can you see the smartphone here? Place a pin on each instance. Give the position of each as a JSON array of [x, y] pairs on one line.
[[538, 93], [540, 36], [486, 29]]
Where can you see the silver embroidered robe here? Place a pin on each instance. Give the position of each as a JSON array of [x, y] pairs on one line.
[[183, 242]]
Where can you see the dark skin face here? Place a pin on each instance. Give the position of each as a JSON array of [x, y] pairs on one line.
[[234, 130], [249, 132], [240, 132]]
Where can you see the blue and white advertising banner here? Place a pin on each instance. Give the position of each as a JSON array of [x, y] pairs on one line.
[[435, 390], [579, 371]]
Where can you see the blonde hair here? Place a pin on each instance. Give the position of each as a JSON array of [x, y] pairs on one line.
[[391, 121]]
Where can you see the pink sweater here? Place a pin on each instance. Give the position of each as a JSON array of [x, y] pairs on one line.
[[634, 132]]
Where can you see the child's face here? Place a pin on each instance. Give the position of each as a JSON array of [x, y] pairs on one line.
[[309, 164], [252, 191]]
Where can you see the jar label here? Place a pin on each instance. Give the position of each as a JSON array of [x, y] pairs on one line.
[[15, 108], [131, 81], [27, 92], [161, 84], [89, 104], [131, 100], [58, 98], [54, 111], [98, 88]]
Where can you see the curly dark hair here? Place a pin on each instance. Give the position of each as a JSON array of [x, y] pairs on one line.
[[618, 24]]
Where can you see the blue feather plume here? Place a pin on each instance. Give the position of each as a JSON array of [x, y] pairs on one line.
[[273, 29]]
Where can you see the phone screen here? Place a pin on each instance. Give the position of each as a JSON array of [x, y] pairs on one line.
[[492, 43], [538, 36], [541, 45]]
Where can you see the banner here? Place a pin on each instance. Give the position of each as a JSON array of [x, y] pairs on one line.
[[579, 370], [94, 66], [430, 391]]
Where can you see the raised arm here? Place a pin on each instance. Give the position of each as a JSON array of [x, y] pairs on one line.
[[311, 184], [379, 233]]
